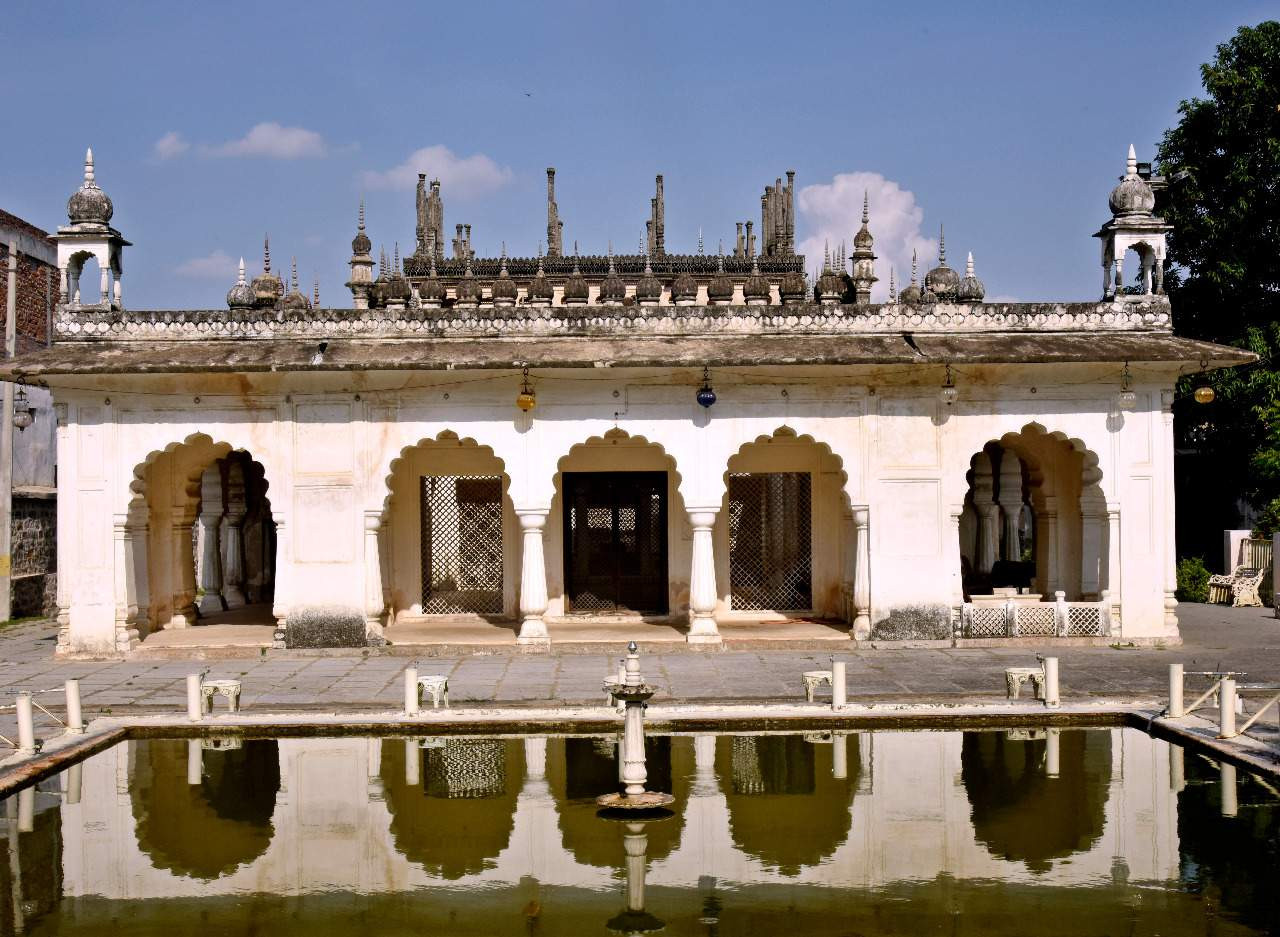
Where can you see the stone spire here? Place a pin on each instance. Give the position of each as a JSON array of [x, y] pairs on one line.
[[942, 280], [658, 219], [912, 293], [361, 264], [555, 227], [893, 287], [315, 293], [864, 258], [267, 287]]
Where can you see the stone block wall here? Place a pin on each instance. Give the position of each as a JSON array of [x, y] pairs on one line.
[[34, 550], [37, 287]]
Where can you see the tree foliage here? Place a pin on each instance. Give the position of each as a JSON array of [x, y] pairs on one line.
[[1223, 163]]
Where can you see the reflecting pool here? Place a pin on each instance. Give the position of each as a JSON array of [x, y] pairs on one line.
[[1046, 832]]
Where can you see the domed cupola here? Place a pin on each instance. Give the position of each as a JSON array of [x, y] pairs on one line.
[[684, 289], [267, 287], [970, 289], [756, 291], [431, 293], [649, 287], [89, 204], [576, 291], [831, 285], [910, 294], [942, 281], [504, 288], [240, 296], [613, 290], [794, 289], [360, 244], [295, 300], [468, 289], [541, 292], [1133, 196], [397, 290], [720, 289]]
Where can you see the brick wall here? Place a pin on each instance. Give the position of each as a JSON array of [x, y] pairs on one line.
[[37, 288], [35, 555]]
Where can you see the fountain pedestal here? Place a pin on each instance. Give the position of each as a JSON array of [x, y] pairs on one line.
[[634, 693]]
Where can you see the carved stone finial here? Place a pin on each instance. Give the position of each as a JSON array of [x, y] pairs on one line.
[[865, 205], [88, 167], [360, 221], [942, 246], [266, 253], [240, 275], [315, 293], [293, 278]]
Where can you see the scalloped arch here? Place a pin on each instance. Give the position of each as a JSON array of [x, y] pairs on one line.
[[220, 449], [616, 435], [784, 431], [444, 436]]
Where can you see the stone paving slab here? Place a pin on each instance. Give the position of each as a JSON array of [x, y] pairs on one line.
[[1214, 637]]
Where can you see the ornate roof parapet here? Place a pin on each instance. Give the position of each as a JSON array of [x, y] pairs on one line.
[[73, 323]]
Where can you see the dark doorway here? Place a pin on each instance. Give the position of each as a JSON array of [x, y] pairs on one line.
[[615, 541]]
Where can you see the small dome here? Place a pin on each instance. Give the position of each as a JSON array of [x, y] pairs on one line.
[[794, 288], [360, 244], [295, 302], [1133, 196], [970, 289], [863, 238], [649, 287], [89, 204], [576, 290], [504, 288], [468, 288], [720, 289], [241, 295], [942, 281], [612, 289], [910, 293], [928, 296], [541, 291], [267, 287], [757, 287], [432, 291], [396, 289], [684, 288], [831, 285]]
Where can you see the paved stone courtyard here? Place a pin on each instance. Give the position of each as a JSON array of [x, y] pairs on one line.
[[1215, 637]]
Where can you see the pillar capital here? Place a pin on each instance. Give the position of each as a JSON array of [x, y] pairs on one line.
[[532, 518], [702, 517], [372, 521]]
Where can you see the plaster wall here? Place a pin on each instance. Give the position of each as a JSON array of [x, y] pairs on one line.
[[872, 441]]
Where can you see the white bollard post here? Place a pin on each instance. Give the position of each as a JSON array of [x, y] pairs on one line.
[[1227, 709], [75, 718], [1230, 801], [26, 726], [838, 690], [195, 762], [1175, 691], [195, 708], [1051, 697], [411, 691]]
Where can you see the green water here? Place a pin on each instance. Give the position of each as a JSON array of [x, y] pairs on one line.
[[1080, 832]]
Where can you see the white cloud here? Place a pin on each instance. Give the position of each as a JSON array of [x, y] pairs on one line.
[[170, 145], [461, 175], [216, 266], [832, 212], [271, 140]]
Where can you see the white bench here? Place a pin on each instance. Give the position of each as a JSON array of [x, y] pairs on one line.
[[437, 687], [1015, 677], [227, 688], [814, 679]]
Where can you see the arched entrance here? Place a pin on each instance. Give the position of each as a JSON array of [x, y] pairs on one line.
[[200, 540], [785, 534], [449, 535], [1034, 518]]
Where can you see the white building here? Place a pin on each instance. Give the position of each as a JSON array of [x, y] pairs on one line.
[[492, 451]]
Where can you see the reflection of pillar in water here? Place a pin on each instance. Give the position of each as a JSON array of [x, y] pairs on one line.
[[1230, 804], [535, 758], [839, 755], [1177, 773], [704, 765], [15, 866], [412, 763], [1052, 753], [195, 762], [75, 783], [27, 809], [635, 919]]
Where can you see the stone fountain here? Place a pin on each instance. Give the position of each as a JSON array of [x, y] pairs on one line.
[[634, 693]]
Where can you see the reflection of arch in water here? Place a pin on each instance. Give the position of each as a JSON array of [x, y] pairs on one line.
[[459, 817], [1023, 815], [581, 769], [209, 829], [785, 806]]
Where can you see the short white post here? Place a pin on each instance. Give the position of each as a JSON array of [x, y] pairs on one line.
[[1051, 697], [1052, 753], [837, 684], [839, 755], [411, 691], [1227, 708], [75, 718], [1176, 710], [412, 763], [195, 708], [26, 726], [1230, 802], [195, 762]]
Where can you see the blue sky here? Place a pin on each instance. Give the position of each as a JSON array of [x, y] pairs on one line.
[[1007, 122]]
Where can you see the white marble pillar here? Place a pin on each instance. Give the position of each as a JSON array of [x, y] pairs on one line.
[[1047, 539], [956, 513], [988, 513], [137, 574], [1114, 572], [1011, 504], [118, 290], [105, 282], [66, 456], [702, 579], [283, 579], [209, 560], [1093, 527], [1169, 560], [232, 538], [374, 607], [533, 579], [126, 638], [862, 572], [183, 579]]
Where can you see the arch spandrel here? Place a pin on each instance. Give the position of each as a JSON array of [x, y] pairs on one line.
[[397, 437]]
